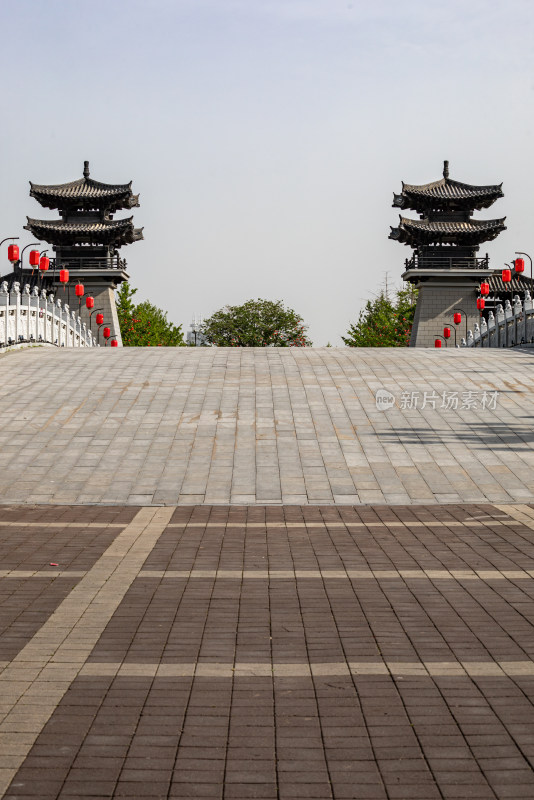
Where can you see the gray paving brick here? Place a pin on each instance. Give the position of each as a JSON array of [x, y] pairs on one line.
[[203, 425]]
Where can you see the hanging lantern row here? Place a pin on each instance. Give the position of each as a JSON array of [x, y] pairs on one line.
[[43, 263]]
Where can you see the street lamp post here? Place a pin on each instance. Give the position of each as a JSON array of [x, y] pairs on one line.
[[98, 312], [465, 316], [98, 332], [519, 253], [447, 334], [20, 262], [8, 239], [94, 311], [43, 265]]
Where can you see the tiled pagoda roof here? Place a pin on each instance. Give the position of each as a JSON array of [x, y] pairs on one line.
[[445, 194], [416, 232], [110, 231], [519, 283], [85, 193]]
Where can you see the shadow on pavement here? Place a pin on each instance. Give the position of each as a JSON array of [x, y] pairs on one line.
[[495, 436]]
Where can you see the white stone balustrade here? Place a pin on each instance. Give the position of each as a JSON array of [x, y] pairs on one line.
[[35, 317], [509, 326]]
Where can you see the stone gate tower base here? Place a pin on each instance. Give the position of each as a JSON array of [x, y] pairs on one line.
[[439, 296]]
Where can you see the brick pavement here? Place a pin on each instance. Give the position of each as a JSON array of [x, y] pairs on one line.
[[186, 426], [267, 651]]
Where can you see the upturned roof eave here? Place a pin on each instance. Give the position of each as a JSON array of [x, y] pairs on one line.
[[104, 232], [447, 191], [84, 192], [416, 233], [446, 226]]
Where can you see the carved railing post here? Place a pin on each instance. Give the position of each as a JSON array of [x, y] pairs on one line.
[[4, 313], [484, 332], [16, 291], [491, 329], [499, 323], [529, 316]]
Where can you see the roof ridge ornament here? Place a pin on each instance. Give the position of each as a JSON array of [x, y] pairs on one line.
[[85, 169], [445, 169]]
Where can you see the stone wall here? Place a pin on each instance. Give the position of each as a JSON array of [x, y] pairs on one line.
[[436, 303]]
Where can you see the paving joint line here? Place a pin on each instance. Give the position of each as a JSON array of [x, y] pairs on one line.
[[288, 574], [301, 669]]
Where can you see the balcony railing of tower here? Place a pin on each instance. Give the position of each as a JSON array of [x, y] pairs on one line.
[[87, 262], [447, 262]]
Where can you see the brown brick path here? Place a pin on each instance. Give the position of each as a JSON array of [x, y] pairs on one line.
[[270, 652]]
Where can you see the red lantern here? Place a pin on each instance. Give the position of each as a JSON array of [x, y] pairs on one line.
[[99, 319], [79, 290], [457, 318], [114, 343], [13, 252], [481, 303], [437, 343], [446, 333], [34, 258], [107, 333], [44, 263], [506, 275], [484, 288], [63, 275], [90, 302], [519, 264]]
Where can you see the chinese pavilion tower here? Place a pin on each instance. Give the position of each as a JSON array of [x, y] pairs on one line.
[[86, 239], [445, 267]]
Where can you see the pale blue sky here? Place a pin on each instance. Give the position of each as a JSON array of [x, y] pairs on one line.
[[266, 137]]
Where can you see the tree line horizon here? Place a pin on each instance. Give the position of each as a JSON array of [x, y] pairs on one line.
[[384, 321]]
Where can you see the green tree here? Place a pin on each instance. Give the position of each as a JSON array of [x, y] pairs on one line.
[[145, 325], [256, 323], [384, 322]]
